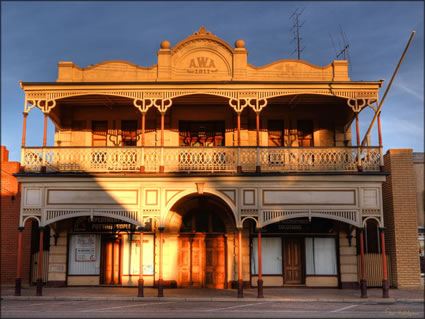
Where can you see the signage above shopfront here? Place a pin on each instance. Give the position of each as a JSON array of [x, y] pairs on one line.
[[104, 225], [300, 225]]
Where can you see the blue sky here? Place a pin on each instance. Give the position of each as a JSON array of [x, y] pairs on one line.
[[37, 35]]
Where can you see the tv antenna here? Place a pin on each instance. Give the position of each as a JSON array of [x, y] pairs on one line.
[[343, 52], [296, 30]]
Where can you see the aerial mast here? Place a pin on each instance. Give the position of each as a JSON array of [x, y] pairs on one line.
[[296, 30]]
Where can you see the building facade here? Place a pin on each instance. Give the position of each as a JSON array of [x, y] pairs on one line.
[[402, 216], [418, 164], [204, 171]]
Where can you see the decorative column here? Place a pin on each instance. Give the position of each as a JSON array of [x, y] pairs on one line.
[[141, 281], [45, 130], [40, 265], [43, 165], [381, 152], [239, 167], [113, 262], [24, 128], [160, 283], [109, 262], [363, 283], [161, 166], [142, 167], [385, 283], [24, 134], [359, 160], [260, 274], [240, 280], [19, 263], [117, 277], [258, 166]]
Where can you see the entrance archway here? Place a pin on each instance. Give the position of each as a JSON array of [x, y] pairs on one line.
[[203, 223]]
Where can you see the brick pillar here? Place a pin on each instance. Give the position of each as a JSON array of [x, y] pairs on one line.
[[400, 218], [10, 203]]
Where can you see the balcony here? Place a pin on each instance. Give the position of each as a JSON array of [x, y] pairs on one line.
[[200, 159]]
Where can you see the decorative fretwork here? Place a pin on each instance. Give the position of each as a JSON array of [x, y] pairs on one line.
[[151, 158], [358, 105], [130, 216], [45, 105], [272, 216], [31, 212], [91, 159], [248, 158], [308, 159], [371, 212], [199, 159], [207, 159], [151, 212], [348, 216], [249, 212], [371, 158], [257, 99], [52, 215]]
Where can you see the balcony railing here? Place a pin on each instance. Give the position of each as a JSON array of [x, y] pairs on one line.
[[200, 159]]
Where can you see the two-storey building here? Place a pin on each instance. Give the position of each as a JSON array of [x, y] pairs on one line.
[[224, 173]]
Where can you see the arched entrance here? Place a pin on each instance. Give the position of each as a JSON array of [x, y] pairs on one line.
[[204, 223]]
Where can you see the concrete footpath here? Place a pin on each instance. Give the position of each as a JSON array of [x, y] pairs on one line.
[[205, 294]]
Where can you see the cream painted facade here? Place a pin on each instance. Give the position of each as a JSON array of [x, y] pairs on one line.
[[264, 145]]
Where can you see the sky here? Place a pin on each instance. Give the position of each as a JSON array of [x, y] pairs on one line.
[[36, 35]]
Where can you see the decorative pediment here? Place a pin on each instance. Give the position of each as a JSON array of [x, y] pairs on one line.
[[107, 71], [297, 70], [202, 56]]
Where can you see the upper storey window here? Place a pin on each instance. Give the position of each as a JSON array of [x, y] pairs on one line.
[[99, 133], [129, 133], [275, 132], [206, 133], [305, 133]]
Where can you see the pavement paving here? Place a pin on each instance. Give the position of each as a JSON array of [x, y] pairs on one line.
[[204, 294]]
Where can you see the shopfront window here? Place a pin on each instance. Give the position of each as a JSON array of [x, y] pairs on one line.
[[84, 254], [271, 255], [131, 255], [320, 255]]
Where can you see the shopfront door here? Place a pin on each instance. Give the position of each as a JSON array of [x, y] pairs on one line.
[[293, 265], [191, 260], [111, 261], [215, 262]]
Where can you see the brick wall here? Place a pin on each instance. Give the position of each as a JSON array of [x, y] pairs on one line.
[[399, 199], [10, 204]]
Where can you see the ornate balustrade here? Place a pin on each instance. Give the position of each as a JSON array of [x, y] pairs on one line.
[[199, 159]]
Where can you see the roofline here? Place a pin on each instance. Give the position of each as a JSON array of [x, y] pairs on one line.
[[380, 82]]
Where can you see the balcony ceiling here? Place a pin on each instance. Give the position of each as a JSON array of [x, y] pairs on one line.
[[95, 99], [306, 99], [197, 99]]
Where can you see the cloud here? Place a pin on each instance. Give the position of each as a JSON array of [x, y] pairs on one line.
[[408, 89], [403, 127]]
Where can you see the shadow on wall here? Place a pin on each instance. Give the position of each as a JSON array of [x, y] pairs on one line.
[[9, 207], [91, 234]]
